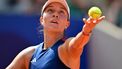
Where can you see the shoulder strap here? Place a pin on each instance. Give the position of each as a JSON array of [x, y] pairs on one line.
[[37, 50]]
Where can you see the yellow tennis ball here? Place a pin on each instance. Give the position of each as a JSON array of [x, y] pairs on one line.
[[94, 12]]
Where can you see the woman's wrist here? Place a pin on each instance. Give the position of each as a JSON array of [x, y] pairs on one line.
[[86, 33]]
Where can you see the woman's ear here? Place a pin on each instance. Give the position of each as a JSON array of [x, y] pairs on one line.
[[41, 20], [67, 25]]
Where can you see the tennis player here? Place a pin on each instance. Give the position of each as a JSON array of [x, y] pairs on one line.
[[54, 52]]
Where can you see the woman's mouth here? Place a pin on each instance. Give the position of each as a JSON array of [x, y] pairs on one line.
[[55, 22]]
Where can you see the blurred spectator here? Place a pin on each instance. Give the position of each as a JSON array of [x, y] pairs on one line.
[[12, 2], [3, 6], [15, 6], [21, 6]]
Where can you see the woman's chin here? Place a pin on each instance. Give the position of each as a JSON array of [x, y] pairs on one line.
[[55, 30]]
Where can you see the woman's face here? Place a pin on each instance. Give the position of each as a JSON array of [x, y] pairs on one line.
[[55, 18]]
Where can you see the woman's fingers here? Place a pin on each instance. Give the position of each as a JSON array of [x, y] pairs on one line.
[[100, 19], [85, 21], [91, 20], [90, 23], [96, 21]]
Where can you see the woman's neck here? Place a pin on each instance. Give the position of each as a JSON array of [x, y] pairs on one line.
[[51, 38]]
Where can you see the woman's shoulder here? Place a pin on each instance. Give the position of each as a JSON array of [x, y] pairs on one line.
[[22, 60], [27, 52]]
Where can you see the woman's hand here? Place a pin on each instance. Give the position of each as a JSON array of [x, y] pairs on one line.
[[90, 23]]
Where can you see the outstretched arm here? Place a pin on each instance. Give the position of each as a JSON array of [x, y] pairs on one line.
[[75, 45], [72, 49]]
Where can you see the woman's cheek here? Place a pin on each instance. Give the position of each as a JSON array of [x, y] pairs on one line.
[[46, 15]]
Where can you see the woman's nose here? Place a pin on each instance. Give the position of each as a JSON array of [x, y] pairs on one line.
[[55, 15]]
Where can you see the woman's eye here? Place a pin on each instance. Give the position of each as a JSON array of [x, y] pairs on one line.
[[61, 12], [50, 10]]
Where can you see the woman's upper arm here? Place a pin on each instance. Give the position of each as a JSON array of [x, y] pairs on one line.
[[22, 59], [72, 51]]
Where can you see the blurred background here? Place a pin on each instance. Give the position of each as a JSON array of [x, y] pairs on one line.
[[20, 28]]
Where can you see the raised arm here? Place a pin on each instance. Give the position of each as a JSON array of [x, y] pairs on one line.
[[76, 44], [72, 49]]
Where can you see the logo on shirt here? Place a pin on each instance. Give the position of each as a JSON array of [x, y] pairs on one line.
[[34, 60]]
